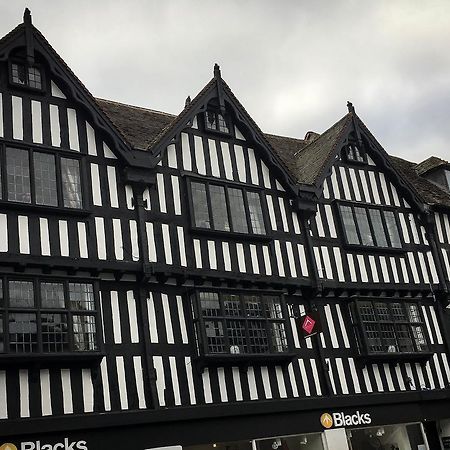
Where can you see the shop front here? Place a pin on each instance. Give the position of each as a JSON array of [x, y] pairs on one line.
[[393, 425]]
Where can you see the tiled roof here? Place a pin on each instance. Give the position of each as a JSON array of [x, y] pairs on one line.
[[305, 161], [311, 160], [429, 192], [429, 164], [139, 126]]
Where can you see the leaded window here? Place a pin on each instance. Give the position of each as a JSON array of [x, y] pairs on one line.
[[240, 323], [224, 208], [41, 178], [370, 227], [23, 75], [390, 327], [216, 121], [53, 316]]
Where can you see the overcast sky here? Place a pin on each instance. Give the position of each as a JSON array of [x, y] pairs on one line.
[[293, 64]]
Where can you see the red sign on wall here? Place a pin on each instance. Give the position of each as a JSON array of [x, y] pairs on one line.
[[309, 324]]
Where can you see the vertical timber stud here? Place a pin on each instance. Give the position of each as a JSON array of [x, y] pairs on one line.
[[314, 276], [443, 298], [139, 204]]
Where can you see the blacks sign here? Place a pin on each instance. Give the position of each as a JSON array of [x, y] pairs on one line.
[[309, 324]]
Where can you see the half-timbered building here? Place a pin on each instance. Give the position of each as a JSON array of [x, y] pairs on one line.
[[156, 271]]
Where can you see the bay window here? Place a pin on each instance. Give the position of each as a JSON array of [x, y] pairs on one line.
[[238, 323], [47, 317], [390, 327]]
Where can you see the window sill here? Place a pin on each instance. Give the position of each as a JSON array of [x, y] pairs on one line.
[[374, 249], [231, 235], [24, 87], [370, 358], [37, 360], [244, 359], [56, 210]]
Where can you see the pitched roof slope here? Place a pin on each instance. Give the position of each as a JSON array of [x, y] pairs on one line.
[[429, 192], [429, 164], [311, 160], [140, 126]]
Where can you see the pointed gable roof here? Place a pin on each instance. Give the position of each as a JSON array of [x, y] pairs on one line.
[[312, 160], [62, 74]]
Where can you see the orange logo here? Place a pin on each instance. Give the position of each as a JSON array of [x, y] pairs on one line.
[[8, 446], [325, 419]]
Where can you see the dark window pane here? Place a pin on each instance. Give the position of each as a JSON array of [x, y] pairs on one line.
[[201, 212], [22, 331], [404, 339], [380, 236], [81, 296], [392, 229], [219, 208], [52, 295], [398, 314], [211, 121], [237, 336], [232, 305], [388, 338], [18, 74], [367, 312], [273, 307], [1, 292], [256, 215], [349, 225], [209, 303], [363, 225], [253, 306], [238, 217], [373, 337], [71, 183], [55, 336], [84, 333], [21, 294], [215, 336], [222, 124], [382, 311], [258, 342], [18, 175], [45, 179], [34, 78]]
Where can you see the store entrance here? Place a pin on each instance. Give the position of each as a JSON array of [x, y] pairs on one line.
[[389, 437]]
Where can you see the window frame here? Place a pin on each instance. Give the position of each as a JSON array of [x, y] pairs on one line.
[[363, 340], [345, 152], [266, 235], [367, 207], [26, 86], [58, 156], [216, 113], [199, 328], [38, 310]]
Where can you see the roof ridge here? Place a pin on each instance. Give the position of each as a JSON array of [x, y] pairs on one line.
[[285, 137], [142, 108]]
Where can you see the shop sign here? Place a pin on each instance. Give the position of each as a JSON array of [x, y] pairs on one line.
[[340, 419], [309, 324], [66, 444]]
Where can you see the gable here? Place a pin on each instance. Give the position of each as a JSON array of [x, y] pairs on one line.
[[59, 85], [217, 97]]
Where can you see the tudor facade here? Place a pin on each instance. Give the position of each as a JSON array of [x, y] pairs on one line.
[[151, 276]]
